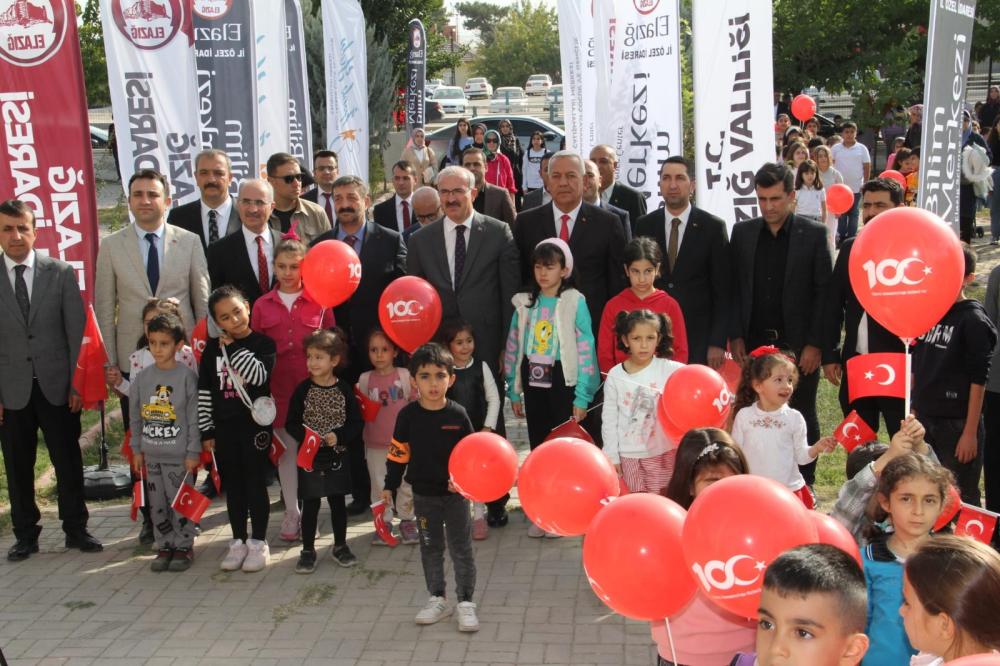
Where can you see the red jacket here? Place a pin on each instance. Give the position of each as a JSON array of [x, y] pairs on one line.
[[608, 354], [499, 173]]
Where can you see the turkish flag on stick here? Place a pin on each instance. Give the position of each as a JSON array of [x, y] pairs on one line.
[[976, 523], [307, 450], [138, 498], [189, 502], [369, 407], [276, 451], [88, 377], [876, 375], [853, 431], [214, 473], [378, 510]]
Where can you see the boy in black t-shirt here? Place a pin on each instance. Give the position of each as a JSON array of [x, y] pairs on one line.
[[426, 432]]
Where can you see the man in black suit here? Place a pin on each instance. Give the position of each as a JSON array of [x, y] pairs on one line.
[[541, 196], [490, 200], [613, 191], [383, 259], [592, 195], [862, 335], [426, 209], [781, 273], [244, 259], [326, 170], [695, 268], [214, 214], [396, 212]]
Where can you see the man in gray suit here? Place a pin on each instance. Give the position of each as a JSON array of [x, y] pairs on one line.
[[214, 214], [41, 325]]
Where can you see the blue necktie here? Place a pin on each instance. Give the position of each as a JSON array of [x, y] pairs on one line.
[[152, 263]]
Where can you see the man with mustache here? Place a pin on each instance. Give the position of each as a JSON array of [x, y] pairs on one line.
[[214, 215]]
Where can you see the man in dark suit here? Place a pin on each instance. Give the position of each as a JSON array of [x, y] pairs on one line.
[[245, 259], [781, 272], [592, 195], [214, 214], [490, 200], [41, 325], [539, 197], [396, 212], [695, 268], [426, 209], [326, 170], [613, 191], [383, 259], [862, 334]]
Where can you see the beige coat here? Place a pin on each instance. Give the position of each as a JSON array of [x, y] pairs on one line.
[[311, 218], [421, 167]]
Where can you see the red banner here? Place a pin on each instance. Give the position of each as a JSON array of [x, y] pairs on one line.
[[46, 158]]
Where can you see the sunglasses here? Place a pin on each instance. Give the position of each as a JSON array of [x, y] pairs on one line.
[[291, 178]]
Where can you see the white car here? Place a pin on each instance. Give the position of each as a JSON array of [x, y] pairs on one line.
[[451, 99], [554, 97], [538, 84], [478, 86], [509, 100], [432, 85]]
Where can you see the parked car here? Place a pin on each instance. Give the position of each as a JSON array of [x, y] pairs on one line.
[[538, 84], [506, 100], [451, 99], [554, 97], [523, 127], [98, 137], [478, 86]]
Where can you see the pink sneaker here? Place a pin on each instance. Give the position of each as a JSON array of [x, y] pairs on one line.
[[480, 530], [290, 528]]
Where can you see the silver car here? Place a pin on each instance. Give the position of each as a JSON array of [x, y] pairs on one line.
[[509, 100], [451, 99], [478, 86]]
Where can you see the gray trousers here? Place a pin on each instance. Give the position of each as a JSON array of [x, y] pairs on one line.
[[438, 517], [170, 529]]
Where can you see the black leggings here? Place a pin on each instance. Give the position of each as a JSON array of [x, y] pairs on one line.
[[310, 518], [243, 470]]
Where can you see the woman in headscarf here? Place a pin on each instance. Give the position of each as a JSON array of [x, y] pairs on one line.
[[511, 147], [479, 136], [461, 140], [421, 156], [498, 169]]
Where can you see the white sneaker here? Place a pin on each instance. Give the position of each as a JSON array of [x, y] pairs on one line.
[[258, 556], [467, 620], [234, 558], [435, 610], [535, 532]]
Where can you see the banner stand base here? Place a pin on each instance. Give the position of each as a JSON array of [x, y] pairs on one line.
[[104, 484]]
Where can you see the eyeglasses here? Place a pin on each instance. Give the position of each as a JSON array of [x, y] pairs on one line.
[[458, 192], [254, 203], [290, 178], [492, 141], [430, 217]]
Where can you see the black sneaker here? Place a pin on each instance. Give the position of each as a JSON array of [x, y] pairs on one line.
[[162, 561], [343, 556], [182, 559], [307, 562], [146, 533], [496, 519]]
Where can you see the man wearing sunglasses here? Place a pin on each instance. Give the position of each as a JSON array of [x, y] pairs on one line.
[[285, 175]]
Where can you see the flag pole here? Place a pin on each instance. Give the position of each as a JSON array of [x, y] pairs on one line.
[[103, 465], [908, 374]]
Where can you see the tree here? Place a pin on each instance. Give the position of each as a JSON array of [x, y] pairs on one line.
[[95, 66], [481, 17], [526, 42]]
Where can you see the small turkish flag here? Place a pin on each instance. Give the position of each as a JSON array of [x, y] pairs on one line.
[[307, 450], [876, 375], [853, 431], [214, 473], [276, 451], [206, 458], [976, 523], [190, 503], [88, 376], [571, 428], [369, 407], [378, 511], [138, 499], [127, 447]]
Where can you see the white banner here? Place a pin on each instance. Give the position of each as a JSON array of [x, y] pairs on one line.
[[346, 72], [734, 111], [579, 76], [299, 114], [270, 47], [152, 74], [639, 87]]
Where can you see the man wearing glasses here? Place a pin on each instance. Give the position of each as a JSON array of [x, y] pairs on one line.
[[426, 209], [326, 169], [309, 219]]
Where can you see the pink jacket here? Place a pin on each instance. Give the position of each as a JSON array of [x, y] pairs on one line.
[[287, 329], [500, 173], [704, 634]]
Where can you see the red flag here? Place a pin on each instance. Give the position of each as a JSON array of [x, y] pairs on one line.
[[277, 450], [976, 523], [876, 375], [570, 428], [378, 511], [853, 431], [88, 378], [190, 503], [952, 505], [199, 336], [127, 447], [369, 407], [138, 498], [214, 473], [205, 458], [307, 450]]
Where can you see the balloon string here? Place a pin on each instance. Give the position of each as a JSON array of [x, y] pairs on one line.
[[322, 313], [670, 638]]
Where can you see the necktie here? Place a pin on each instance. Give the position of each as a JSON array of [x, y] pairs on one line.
[[672, 244], [21, 291], [351, 240], [564, 229], [329, 207], [213, 226], [406, 215], [263, 278], [459, 253], [152, 264]]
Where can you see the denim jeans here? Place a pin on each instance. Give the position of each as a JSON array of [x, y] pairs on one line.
[[847, 224], [441, 517]]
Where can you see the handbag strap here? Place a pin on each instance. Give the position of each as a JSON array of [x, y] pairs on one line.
[[235, 378]]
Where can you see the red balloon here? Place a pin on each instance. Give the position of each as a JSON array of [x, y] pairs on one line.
[[906, 269], [830, 531], [672, 431], [803, 107], [892, 174], [483, 466], [410, 311], [839, 198], [985, 659], [199, 336], [634, 559], [571, 428], [563, 484], [695, 396], [734, 529], [331, 272], [952, 505]]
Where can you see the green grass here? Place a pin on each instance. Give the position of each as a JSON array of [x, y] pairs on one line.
[[113, 218]]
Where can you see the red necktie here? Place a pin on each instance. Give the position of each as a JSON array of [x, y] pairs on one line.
[[262, 277], [406, 214], [564, 229], [329, 207]]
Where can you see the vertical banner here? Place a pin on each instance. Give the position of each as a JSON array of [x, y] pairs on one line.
[[227, 82], [416, 76], [299, 120], [46, 160], [576, 51], [948, 44], [639, 87], [152, 74], [270, 47], [346, 73], [733, 121]]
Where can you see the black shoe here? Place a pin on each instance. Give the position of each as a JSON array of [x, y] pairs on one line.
[[307, 562], [357, 508], [146, 533], [162, 561], [343, 556], [208, 489], [181, 560], [83, 541], [496, 519], [22, 550]]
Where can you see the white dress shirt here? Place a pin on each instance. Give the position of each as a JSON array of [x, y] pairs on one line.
[[251, 241], [571, 224], [449, 240], [29, 272], [221, 216], [144, 244], [668, 220]]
